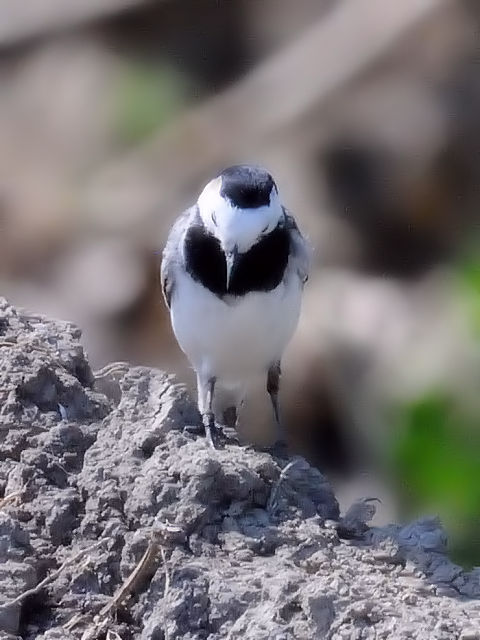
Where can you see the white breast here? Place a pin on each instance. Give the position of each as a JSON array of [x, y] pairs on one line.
[[235, 339]]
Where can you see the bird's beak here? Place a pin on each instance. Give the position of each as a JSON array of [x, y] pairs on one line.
[[231, 258]]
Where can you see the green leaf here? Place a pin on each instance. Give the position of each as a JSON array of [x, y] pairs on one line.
[[144, 98], [436, 464]]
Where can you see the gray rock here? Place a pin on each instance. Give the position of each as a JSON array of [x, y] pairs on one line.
[[15, 578], [254, 553]]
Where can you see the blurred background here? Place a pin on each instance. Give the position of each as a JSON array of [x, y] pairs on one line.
[[114, 113]]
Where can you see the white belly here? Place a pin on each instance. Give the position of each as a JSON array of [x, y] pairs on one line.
[[235, 339]]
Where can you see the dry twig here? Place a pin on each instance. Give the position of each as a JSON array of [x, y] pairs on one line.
[[111, 367], [147, 561], [54, 575], [137, 575], [272, 500], [7, 343], [10, 498]]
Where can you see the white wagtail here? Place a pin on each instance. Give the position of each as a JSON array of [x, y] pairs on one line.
[[233, 271]]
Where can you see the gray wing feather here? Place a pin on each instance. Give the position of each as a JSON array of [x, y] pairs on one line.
[[301, 250], [172, 255]]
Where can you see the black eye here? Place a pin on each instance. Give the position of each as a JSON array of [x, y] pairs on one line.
[[263, 230], [214, 219]]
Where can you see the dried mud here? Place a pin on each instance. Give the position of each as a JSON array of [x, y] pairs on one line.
[[240, 549]]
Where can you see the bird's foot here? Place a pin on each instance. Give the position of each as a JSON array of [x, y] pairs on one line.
[[213, 432], [217, 436], [230, 435], [196, 429], [230, 422]]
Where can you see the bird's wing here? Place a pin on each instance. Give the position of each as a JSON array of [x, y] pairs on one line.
[[172, 256], [300, 248]]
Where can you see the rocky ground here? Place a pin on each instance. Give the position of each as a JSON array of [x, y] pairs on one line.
[[114, 524]]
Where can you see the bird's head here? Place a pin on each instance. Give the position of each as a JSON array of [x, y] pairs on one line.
[[238, 207]]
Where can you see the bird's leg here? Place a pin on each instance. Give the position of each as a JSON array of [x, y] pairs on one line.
[[208, 415], [205, 390], [230, 420], [199, 429], [230, 417], [273, 385]]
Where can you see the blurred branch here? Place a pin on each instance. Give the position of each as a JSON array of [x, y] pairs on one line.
[[276, 94], [21, 20]]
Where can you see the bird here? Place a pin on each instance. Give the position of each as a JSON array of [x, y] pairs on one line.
[[233, 272]]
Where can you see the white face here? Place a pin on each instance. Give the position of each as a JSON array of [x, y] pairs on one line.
[[233, 226]]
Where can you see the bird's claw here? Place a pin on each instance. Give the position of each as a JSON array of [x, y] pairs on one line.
[[216, 438], [231, 436], [194, 429], [214, 433]]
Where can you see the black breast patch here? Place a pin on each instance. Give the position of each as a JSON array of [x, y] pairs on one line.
[[262, 267], [259, 269], [205, 260]]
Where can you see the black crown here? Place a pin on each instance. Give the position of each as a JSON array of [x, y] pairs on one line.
[[247, 187]]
